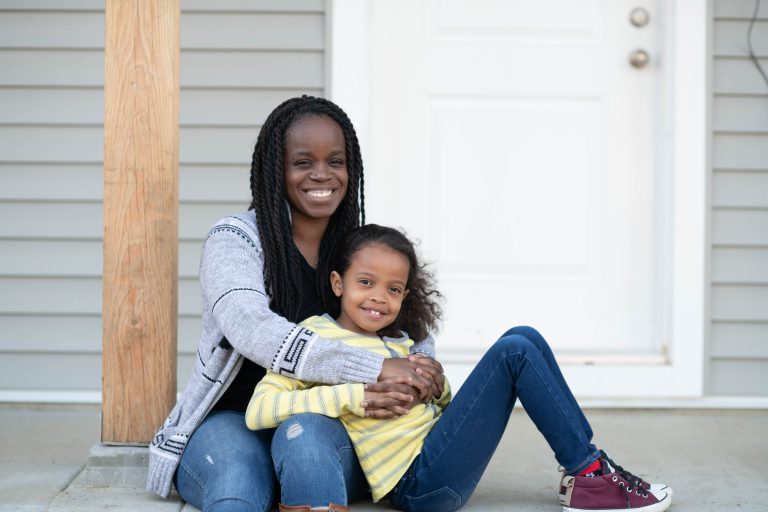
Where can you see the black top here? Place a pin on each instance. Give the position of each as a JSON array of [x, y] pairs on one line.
[[239, 393]]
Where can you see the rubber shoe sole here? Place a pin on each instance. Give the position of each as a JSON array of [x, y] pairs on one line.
[[659, 506]]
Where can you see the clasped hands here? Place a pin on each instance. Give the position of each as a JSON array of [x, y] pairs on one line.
[[403, 383]]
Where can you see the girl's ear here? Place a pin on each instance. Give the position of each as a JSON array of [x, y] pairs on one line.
[[336, 283], [405, 293]]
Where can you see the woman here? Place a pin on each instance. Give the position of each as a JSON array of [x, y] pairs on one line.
[[258, 277]]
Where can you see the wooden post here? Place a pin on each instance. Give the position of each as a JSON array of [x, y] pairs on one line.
[[141, 161]]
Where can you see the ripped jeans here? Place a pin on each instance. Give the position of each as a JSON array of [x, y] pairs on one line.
[[459, 447], [226, 467], [316, 463]]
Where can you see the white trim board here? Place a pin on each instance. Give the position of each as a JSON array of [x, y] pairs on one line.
[[45, 396], [683, 154], [719, 402]]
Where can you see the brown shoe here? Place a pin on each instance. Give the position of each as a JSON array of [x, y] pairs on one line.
[[294, 508]]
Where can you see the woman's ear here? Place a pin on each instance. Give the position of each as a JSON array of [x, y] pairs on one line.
[[336, 283]]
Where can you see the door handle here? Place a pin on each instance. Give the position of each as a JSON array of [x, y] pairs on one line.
[[639, 58]]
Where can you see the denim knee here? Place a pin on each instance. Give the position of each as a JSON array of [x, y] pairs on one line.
[[306, 439], [515, 343], [512, 347], [529, 332], [524, 330]]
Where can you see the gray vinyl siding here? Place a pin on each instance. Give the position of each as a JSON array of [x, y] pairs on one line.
[[738, 333], [239, 60]]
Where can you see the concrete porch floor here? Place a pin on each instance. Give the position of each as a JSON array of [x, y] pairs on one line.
[[715, 461]]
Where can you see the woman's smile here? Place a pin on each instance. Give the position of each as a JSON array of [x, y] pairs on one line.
[[320, 194]]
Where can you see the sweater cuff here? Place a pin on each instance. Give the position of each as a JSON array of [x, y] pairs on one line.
[[160, 474], [362, 366]]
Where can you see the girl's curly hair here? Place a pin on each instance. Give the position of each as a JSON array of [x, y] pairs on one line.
[[420, 312]]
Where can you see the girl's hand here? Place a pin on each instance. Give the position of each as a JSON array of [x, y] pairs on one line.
[[407, 370], [389, 399], [433, 369]]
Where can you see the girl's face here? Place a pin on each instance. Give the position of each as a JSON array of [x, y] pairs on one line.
[[372, 289], [315, 163]]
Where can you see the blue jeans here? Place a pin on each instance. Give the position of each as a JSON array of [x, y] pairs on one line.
[[457, 450], [316, 463], [227, 467]]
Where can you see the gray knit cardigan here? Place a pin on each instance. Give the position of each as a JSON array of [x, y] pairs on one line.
[[236, 306]]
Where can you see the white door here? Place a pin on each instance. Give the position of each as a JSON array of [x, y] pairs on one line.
[[517, 142]]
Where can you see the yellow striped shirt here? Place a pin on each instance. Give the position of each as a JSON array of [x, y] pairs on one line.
[[385, 448]]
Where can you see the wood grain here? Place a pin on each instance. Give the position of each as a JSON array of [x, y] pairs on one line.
[[141, 148]]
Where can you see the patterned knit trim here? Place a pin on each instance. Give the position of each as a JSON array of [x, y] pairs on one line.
[[288, 359], [232, 229]]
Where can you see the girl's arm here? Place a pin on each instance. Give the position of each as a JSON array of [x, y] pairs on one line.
[[234, 296], [276, 398]]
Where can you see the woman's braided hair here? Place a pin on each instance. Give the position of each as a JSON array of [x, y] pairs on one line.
[[282, 271], [420, 312]]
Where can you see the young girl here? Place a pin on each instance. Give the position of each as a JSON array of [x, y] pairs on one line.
[[432, 458], [384, 291]]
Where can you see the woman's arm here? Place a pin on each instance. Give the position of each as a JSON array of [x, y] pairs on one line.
[[234, 295], [276, 398]]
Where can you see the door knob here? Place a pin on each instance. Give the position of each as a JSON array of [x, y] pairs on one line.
[[639, 58], [639, 17]]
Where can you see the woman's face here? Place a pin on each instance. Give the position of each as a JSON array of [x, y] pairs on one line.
[[315, 163]]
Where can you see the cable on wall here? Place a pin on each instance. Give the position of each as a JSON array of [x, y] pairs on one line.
[[749, 43]]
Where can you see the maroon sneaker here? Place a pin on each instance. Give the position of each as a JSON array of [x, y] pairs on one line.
[[608, 466], [610, 492]]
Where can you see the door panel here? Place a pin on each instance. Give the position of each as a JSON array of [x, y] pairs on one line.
[[515, 140]]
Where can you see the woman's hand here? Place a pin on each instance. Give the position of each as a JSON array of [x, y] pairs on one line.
[[389, 398], [406, 370], [420, 371], [433, 369]]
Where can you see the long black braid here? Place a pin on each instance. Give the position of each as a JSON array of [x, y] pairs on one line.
[[282, 271]]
